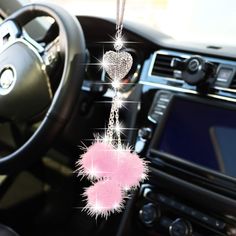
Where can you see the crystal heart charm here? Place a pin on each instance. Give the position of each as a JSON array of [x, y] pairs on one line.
[[117, 64]]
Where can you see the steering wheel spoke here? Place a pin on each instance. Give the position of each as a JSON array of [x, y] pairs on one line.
[[53, 63]]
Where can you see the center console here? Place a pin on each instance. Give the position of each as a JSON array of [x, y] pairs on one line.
[[187, 131]]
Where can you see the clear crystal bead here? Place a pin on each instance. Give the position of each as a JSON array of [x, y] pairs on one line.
[[118, 44]]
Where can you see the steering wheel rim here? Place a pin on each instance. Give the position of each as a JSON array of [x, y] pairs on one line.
[[72, 47]]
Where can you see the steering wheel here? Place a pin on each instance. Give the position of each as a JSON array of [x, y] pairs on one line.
[[25, 88]]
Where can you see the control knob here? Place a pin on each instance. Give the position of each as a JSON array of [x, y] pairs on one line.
[[180, 227], [149, 213]]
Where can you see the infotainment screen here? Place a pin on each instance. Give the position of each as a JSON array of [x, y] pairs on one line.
[[200, 132]]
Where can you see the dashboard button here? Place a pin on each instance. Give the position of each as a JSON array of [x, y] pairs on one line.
[[139, 146], [219, 224], [149, 213], [225, 76], [145, 133]]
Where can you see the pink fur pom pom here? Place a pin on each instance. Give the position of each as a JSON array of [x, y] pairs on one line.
[[116, 169], [98, 161], [131, 171], [103, 198]]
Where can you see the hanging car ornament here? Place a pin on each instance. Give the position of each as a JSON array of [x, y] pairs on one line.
[[112, 166]]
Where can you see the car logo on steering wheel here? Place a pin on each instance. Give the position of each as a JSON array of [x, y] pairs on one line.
[[7, 77]]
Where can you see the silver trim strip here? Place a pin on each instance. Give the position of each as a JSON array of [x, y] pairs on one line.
[[170, 88], [222, 98], [167, 87], [225, 89]]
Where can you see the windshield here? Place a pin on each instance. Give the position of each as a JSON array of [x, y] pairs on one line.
[[204, 21]]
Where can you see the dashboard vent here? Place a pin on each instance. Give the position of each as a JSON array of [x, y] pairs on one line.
[[162, 73], [162, 66]]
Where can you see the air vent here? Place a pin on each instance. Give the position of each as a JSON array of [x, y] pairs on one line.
[[162, 66], [162, 73]]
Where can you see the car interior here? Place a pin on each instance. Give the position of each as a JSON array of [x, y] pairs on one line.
[[178, 114]]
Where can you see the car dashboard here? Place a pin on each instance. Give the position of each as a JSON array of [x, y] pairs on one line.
[[182, 100]]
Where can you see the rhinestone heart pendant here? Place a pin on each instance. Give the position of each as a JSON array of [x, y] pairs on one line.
[[117, 64]]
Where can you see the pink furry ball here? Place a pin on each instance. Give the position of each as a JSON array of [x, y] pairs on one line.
[[131, 171], [103, 198], [98, 161]]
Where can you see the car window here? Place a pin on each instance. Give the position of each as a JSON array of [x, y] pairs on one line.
[[207, 21]]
